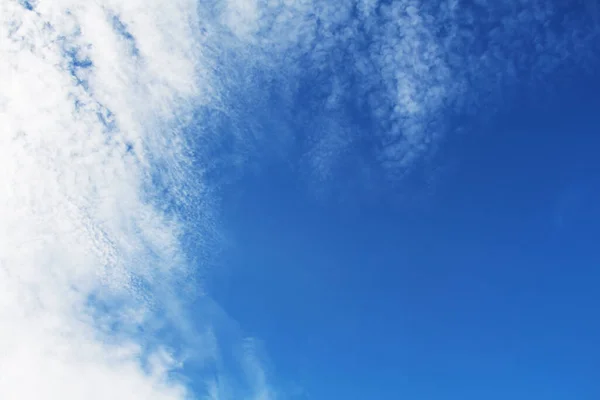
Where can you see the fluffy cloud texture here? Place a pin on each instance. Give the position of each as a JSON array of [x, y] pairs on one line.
[[91, 97], [410, 65]]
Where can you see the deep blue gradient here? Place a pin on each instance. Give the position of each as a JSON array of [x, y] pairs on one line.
[[488, 289], [474, 276]]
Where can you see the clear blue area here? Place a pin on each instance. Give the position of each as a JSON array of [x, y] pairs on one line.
[[474, 277]]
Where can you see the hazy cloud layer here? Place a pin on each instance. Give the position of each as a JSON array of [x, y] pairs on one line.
[[410, 64]]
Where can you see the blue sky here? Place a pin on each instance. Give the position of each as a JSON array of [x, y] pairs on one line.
[[271, 200], [470, 274], [483, 285]]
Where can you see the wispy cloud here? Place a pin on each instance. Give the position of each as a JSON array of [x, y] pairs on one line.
[[253, 363], [92, 95], [411, 64]]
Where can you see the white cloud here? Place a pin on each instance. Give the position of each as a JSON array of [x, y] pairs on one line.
[[399, 62], [255, 371], [87, 108], [242, 16], [412, 62]]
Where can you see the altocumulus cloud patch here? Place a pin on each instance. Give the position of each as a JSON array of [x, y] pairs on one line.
[[408, 67]]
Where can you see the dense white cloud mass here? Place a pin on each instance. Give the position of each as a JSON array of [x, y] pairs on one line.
[[89, 95]]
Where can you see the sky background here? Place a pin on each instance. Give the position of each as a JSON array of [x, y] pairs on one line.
[[484, 284], [473, 275], [270, 200]]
